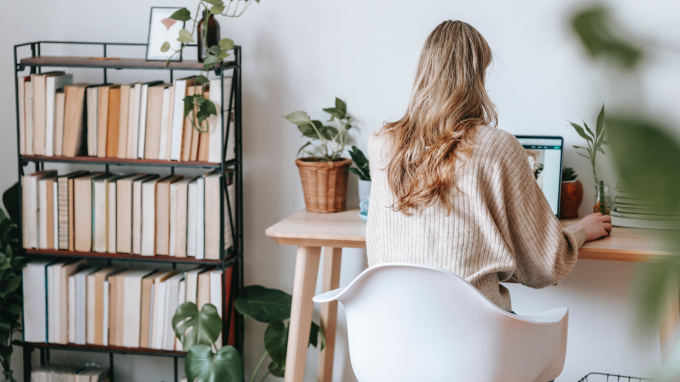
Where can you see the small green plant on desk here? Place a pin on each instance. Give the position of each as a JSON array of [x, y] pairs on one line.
[[11, 264], [198, 331], [196, 105], [568, 174], [361, 167], [594, 140]]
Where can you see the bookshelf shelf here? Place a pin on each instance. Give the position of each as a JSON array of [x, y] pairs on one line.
[[29, 60], [123, 162], [102, 349], [119, 256], [112, 63]]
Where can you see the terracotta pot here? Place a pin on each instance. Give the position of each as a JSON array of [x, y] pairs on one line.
[[324, 184], [570, 199]]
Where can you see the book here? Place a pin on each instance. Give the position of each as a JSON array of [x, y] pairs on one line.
[[163, 212], [123, 119], [55, 215], [619, 221], [103, 119], [180, 91], [59, 105], [83, 189], [64, 205], [200, 217], [202, 138], [113, 122], [100, 210], [111, 306], [95, 304], [158, 311], [28, 105], [81, 295], [203, 290], [166, 123], [192, 203], [117, 307], [92, 104], [133, 120], [31, 192], [181, 298], [124, 201], [179, 233], [74, 121], [154, 117], [132, 311], [40, 109], [52, 272], [61, 293], [21, 99], [171, 302], [35, 300], [143, 110], [229, 212], [188, 130], [195, 134], [191, 278], [53, 84], [146, 309], [148, 217], [111, 196], [105, 323], [645, 216], [212, 224], [216, 297], [216, 122], [46, 211]]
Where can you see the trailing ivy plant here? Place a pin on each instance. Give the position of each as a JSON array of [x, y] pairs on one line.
[[198, 331], [196, 106], [361, 167], [327, 143], [11, 264]]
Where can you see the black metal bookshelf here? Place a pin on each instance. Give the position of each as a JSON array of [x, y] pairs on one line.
[[232, 257]]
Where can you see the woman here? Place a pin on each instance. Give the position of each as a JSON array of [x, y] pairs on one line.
[[452, 191]]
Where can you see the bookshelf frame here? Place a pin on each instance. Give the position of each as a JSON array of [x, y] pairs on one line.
[[229, 258]]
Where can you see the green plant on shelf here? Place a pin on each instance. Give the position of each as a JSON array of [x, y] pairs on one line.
[[594, 140], [327, 143], [568, 174], [196, 107], [361, 167], [198, 331], [11, 264]]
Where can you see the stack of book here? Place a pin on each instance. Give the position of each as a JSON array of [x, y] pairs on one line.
[[134, 121], [73, 302], [59, 373], [140, 214], [632, 211]]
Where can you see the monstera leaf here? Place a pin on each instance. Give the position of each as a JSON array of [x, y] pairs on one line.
[[202, 363], [263, 304], [196, 328]]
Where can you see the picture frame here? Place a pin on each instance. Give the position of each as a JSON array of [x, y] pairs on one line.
[[162, 28]]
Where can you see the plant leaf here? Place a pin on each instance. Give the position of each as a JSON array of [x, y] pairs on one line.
[[215, 50], [303, 147], [226, 43], [210, 61], [11, 286], [196, 328], [202, 80], [214, 2], [334, 112], [298, 118], [580, 132], [263, 304], [165, 47], [277, 370], [341, 106], [10, 198], [588, 129], [600, 123], [188, 105], [185, 36], [276, 341], [181, 15], [216, 9], [204, 365]]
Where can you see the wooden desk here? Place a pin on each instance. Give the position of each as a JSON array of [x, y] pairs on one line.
[[311, 232]]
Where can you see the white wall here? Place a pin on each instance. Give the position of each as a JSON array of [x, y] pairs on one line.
[[300, 54]]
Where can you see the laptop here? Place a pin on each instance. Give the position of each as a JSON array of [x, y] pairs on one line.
[[544, 154]]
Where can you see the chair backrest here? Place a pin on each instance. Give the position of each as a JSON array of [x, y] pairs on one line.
[[409, 322]]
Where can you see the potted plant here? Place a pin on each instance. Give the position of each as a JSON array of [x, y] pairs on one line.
[[363, 171], [595, 140], [198, 331], [323, 171], [11, 264], [571, 194]]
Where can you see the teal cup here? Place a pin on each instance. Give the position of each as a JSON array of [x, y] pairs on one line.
[[364, 205]]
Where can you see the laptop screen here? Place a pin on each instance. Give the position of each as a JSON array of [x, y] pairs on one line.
[[544, 154]]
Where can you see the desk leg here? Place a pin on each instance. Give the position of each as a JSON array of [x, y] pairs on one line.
[[669, 321], [329, 311], [306, 269]]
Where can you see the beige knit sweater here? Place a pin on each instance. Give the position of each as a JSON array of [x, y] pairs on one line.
[[501, 225]]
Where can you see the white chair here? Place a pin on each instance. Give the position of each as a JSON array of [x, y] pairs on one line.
[[409, 322]]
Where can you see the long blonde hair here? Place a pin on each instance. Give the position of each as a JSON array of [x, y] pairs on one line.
[[447, 102]]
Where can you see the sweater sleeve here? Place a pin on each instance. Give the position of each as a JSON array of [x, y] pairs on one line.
[[544, 251]]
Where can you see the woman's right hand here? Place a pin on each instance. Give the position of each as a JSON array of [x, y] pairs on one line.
[[597, 225]]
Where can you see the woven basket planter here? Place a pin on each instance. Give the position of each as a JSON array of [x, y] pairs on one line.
[[324, 184]]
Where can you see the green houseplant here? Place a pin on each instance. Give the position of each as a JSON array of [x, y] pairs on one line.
[[594, 141], [571, 194], [323, 171], [363, 171], [11, 264], [198, 331], [196, 105]]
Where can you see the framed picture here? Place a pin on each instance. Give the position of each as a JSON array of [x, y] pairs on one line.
[[161, 29]]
